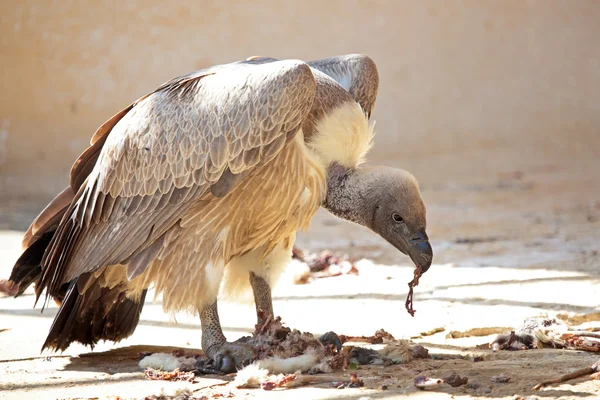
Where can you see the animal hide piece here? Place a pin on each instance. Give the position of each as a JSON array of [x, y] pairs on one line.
[[547, 333], [280, 352]]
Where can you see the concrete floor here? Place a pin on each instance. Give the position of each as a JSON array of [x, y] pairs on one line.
[[521, 243]]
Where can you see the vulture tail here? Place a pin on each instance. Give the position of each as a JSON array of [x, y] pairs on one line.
[[93, 314], [38, 237], [27, 269]]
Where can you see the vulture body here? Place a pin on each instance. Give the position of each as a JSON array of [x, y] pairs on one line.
[[200, 186]]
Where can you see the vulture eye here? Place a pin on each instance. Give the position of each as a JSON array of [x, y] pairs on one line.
[[397, 217]]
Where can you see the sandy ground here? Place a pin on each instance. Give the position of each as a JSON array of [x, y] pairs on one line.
[[521, 242]]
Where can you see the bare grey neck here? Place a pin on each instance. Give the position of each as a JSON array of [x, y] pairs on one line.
[[344, 198]]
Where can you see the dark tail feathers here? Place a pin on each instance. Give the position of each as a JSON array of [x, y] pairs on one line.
[[98, 313], [85, 316], [27, 269]]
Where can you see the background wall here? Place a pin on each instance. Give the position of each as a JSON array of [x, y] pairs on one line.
[[468, 88]]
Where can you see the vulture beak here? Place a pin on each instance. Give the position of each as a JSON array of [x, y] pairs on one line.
[[418, 248]]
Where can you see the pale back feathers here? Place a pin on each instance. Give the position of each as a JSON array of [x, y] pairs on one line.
[[165, 153], [260, 215]]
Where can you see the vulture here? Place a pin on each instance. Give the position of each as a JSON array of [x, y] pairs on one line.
[[200, 186]]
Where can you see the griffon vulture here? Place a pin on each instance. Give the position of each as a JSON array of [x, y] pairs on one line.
[[202, 184]]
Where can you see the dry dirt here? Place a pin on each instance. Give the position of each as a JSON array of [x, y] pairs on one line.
[[518, 243]]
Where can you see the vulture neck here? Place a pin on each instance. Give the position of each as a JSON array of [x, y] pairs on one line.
[[343, 139], [345, 194]]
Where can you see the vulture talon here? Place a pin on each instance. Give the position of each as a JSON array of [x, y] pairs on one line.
[[225, 363], [229, 357], [331, 338], [206, 366], [207, 370]]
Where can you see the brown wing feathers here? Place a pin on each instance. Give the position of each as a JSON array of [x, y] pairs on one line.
[[82, 243], [131, 186], [49, 218], [357, 73], [39, 235]]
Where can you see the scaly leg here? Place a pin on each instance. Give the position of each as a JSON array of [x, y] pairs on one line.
[[264, 302], [262, 296], [227, 356]]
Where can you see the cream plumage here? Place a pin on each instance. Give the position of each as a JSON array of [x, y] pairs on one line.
[[207, 177]]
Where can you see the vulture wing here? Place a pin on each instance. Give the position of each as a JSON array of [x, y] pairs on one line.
[[357, 73], [198, 133], [48, 220]]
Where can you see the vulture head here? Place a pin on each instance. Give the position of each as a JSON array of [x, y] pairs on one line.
[[387, 201]]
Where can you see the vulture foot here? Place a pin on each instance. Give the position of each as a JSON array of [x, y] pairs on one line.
[[228, 357]]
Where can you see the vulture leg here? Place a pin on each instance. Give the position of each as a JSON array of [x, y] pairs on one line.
[[262, 296], [227, 356]]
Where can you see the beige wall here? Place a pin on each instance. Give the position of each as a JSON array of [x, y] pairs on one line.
[[489, 81]]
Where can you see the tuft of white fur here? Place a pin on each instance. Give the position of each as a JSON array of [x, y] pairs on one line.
[[253, 375], [290, 365], [344, 136], [162, 361], [250, 376]]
